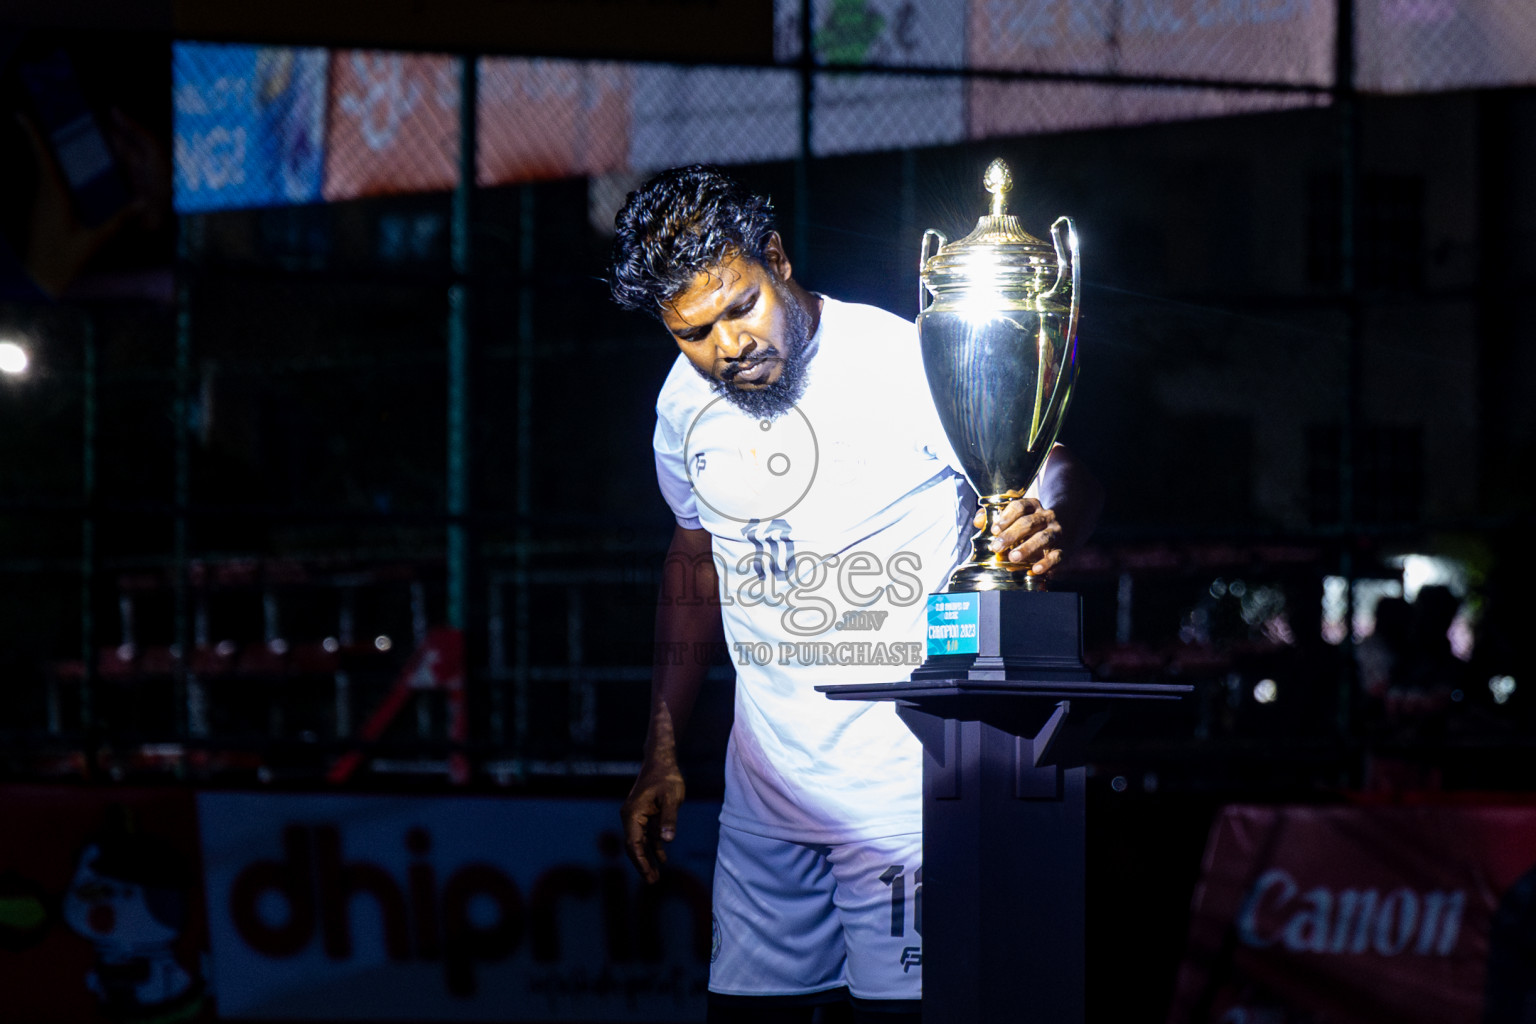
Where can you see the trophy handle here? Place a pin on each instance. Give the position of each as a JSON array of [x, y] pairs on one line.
[[922, 261], [1064, 250], [1064, 235]]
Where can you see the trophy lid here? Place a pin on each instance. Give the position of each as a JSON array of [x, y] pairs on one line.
[[998, 254]]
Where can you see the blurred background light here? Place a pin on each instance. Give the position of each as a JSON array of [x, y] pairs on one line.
[[1502, 688], [1420, 571], [13, 359]]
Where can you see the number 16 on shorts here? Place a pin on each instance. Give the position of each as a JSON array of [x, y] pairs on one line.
[[895, 879]]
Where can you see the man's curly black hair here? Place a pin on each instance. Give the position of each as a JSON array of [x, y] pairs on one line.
[[678, 224]]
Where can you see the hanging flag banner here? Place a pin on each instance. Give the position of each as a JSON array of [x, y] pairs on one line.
[[1406, 46], [1357, 915], [383, 908], [393, 124], [543, 119], [713, 115], [248, 125], [871, 111], [101, 916], [1250, 40], [1000, 109]]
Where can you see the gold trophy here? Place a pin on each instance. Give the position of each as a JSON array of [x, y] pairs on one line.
[[999, 341], [1002, 703]]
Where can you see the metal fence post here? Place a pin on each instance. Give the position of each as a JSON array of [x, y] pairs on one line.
[[89, 567], [459, 311], [1349, 288], [191, 701], [460, 539], [800, 244], [522, 599]]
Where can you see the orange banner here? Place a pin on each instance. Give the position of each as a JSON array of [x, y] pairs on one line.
[[393, 124], [542, 119]]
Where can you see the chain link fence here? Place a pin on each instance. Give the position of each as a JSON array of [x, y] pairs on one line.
[[269, 545], [264, 125]]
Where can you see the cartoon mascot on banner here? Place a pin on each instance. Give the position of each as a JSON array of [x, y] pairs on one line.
[[128, 898]]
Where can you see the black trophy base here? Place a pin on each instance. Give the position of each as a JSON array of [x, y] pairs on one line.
[[1004, 721], [1022, 636]]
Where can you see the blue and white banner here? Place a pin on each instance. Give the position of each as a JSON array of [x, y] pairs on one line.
[[383, 908], [249, 125]]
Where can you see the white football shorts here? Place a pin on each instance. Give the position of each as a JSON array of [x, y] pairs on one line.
[[799, 918]]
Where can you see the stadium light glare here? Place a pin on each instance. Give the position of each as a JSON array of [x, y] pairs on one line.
[[13, 359]]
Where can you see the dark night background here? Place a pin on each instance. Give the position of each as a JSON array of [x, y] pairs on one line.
[[1276, 307]]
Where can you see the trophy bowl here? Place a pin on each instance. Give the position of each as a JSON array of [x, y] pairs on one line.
[[998, 326]]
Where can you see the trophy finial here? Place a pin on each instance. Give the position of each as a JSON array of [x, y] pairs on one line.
[[998, 180]]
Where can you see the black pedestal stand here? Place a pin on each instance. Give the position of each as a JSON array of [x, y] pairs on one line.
[[1003, 720]]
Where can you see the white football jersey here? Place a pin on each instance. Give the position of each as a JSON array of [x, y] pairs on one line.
[[831, 524]]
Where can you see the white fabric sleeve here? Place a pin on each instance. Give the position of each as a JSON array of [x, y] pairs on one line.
[[1034, 485], [672, 475], [938, 445]]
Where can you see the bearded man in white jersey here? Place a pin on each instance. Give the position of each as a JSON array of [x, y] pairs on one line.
[[817, 503]]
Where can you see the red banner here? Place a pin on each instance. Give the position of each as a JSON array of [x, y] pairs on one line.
[[393, 124], [542, 119], [1356, 915], [101, 910]]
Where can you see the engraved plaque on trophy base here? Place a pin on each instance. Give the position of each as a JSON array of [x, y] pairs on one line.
[[998, 635]]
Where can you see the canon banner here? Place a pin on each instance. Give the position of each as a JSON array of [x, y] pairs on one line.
[[1350, 915], [393, 908]]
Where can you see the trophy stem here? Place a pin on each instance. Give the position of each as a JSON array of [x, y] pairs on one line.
[[987, 569]]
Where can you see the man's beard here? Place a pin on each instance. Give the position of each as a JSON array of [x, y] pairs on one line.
[[774, 400]]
